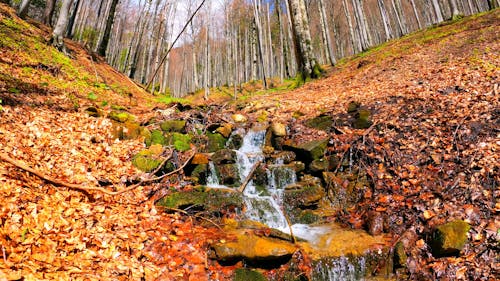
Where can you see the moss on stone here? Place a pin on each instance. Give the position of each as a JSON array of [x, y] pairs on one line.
[[212, 201], [215, 142], [147, 160], [120, 116], [450, 238], [243, 274], [322, 122], [363, 119], [173, 126]]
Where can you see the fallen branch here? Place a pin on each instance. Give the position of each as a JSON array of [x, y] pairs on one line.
[[249, 177], [6, 158]]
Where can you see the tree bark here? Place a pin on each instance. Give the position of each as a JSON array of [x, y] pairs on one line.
[[48, 12], [302, 38], [23, 9], [325, 32], [107, 30], [61, 25]]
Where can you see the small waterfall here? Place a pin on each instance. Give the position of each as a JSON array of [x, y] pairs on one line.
[[340, 269], [212, 179]]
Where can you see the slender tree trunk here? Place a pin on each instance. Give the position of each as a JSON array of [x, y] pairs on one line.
[[23, 8], [454, 9], [437, 10], [61, 24], [258, 26], [71, 23], [207, 63], [400, 17], [385, 20], [48, 12], [325, 32], [415, 12], [356, 45], [107, 30]]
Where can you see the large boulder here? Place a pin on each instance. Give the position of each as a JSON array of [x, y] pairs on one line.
[[308, 151], [215, 142], [254, 250], [449, 239]]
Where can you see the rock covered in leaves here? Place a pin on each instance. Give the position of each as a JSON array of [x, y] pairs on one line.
[[449, 239]]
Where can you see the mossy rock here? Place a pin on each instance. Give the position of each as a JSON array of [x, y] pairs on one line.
[[303, 195], [322, 122], [400, 256], [225, 130], [363, 119], [177, 126], [215, 142], [199, 174], [229, 174], [147, 160], [308, 151], [120, 116], [126, 131], [94, 111], [449, 239], [181, 142], [243, 274], [212, 201], [307, 217], [345, 195], [156, 137], [319, 165], [224, 156], [235, 141]]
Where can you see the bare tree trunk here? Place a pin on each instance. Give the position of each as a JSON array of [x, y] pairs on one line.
[[385, 20], [23, 8], [258, 26], [302, 36], [356, 45], [437, 10], [107, 30], [454, 9], [48, 12], [400, 17], [325, 32], [415, 12], [61, 24], [207, 63]]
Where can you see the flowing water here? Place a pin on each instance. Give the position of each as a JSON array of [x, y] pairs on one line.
[[329, 242]]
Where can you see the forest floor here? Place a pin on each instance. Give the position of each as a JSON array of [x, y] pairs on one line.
[[433, 155]]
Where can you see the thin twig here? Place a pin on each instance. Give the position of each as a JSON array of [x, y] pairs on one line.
[[57, 182]]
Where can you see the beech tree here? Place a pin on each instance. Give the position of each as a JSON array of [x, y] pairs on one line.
[[23, 8], [302, 38], [61, 25]]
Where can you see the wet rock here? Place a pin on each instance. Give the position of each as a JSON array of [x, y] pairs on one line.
[[297, 166], [239, 118], [229, 174], [178, 126], [400, 256], [449, 239], [213, 201], [375, 223], [215, 142], [257, 251], [224, 156], [308, 151], [307, 217], [235, 141], [148, 159], [321, 122], [285, 157], [278, 129], [243, 274], [225, 130], [120, 116], [304, 194], [268, 150]]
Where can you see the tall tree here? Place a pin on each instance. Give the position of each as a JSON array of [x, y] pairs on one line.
[[61, 25], [107, 30], [48, 12], [23, 8], [325, 32], [302, 38]]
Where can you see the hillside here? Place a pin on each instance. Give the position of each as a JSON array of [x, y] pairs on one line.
[[429, 148]]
